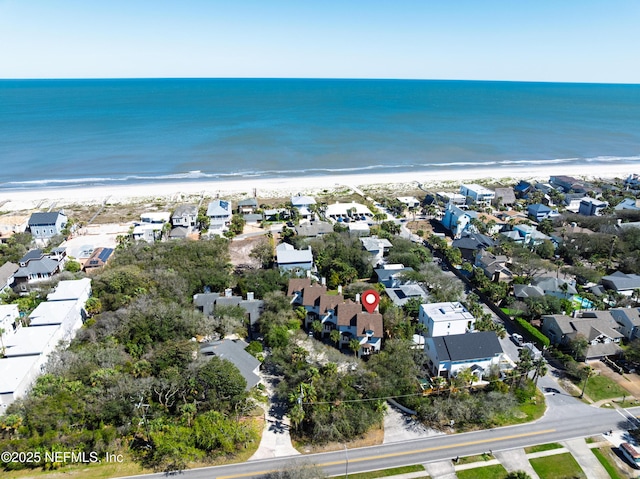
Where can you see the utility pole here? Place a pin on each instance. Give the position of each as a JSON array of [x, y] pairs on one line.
[[586, 380]]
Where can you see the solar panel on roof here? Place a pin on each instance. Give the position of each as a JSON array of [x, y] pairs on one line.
[[104, 254]]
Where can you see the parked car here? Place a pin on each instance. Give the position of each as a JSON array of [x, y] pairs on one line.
[[518, 339]]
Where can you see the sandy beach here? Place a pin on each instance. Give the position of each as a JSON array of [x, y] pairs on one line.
[[32, 199]]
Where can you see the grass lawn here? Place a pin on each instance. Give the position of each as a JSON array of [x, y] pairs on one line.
[[608, 464], [487, 472], [476, 458], [542, 447], [527, 412], [387, 472], [601, 387], [559, 466]]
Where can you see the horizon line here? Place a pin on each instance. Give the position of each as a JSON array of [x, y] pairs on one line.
[[315, 79]]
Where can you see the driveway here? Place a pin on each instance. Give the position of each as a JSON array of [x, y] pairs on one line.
[[399, 426], [276, 440]]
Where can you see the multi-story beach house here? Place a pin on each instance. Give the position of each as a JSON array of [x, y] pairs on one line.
[[303, 204], [457, 220], [478, 194], [45, 225], [290, 259], [219, 213], [185, 216], [37, 266], [444, 319]]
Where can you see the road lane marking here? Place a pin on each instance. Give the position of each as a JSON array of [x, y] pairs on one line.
[[405, 453]]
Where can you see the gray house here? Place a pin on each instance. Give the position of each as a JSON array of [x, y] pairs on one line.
[[290, 259], [234, 352], [47, 225], [35, 266], [185, 216]]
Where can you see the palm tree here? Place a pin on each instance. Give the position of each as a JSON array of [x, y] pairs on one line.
[[354, 345], [540, 369], [334, 335], [316, 327]]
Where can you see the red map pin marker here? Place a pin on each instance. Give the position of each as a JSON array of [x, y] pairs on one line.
[[370, 300]]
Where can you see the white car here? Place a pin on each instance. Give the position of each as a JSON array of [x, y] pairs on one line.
[[518, 339]]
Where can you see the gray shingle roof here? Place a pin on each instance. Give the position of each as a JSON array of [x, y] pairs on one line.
[[621, 281], [41, 218], [234, 351], [467, 347]]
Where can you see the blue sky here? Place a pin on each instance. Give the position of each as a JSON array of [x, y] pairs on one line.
[[559, 40]]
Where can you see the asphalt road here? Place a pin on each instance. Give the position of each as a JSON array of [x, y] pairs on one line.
[[566, 419]]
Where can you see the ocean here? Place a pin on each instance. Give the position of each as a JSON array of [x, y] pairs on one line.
[[98, 132]]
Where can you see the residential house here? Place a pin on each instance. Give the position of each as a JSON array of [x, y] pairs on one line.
[[44, 226], [376, 247], [572, 201], [628, 320], [12, 224], [9, 324], [290, 259], [453, 198], [391, 275], [504, 197], [35, 267], [151, 226], [253, 219], [545, 286], [450, 354], [470, 243], [276, 214], [98, 259], [358, 229], [523, 188], [539, 212], [632, 181], [478, 194], [591, 206], [410, 202], [247, 206], [7, 275], [365, 327], [457, 220], [631, 204], [207, 302], [185, 216], [235, 352], [28, 349], [443, 319], [598, 328], [219, 213], [304, 206], [313, 229], [622, 283], [491, 224], [526, 234], [493, 266], [403, 293], [567, 183]]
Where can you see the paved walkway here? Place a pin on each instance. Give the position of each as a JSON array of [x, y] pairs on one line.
[[586, 459], [276, 440]]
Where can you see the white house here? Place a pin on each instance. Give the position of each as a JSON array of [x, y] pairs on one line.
[[479, 194], [28, 349], [376, 247], [219, 213], [303, 204], [449, 354], [444, 319], [8, 324]]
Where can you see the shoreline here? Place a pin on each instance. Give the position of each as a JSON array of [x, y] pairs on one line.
[[176, 190]]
